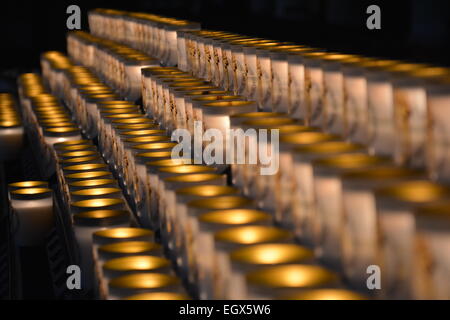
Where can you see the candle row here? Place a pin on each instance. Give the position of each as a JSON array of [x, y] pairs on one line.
[[181, 192], [303, 202], [97, 210], [156, 35], [11, 129], [119, 65], [364, 99]]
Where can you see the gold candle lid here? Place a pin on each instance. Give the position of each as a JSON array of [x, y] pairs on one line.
[[196, 177], [130, 247], [235, 216], [88, 175], [217, 98], [96, 191], [168, 162], [292, 276], [92, 182], [147, 139], [60, 131], [350, 161], [135, 126], [158, 296], [92, 159], [87, 167], [301, 138], [154, 146], [261, 114], [186, 168], [252, 235], [76, 147], [97, 203], [271, 253], [144, 281], [323, 294], [155, 154], [418, 191], [329, 147], [123, 233], [136, 120], [207, 190], [28, 184], [221, 202], [136, 263], [101, 217], [78, 154], [30, 193], [71, 142], [142, 132]]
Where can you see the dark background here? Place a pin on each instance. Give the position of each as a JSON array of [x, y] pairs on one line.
[[416, 30]]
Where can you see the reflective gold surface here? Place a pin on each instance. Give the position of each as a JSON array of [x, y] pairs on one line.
[[252, 234], [271, 254]]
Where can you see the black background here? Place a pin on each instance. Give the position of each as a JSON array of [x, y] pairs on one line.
[[416, 30]]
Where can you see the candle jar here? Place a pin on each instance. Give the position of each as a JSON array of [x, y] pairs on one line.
[[168, 198], [166, 191], [303, 187], [132, 84], [84, 226], [92, 184], [252, 258], [210, 223], [182, 94], [236, 123], [328, 205], [395, 207], [229, 239], [380, 106], [176, 211], [438, 96], [431, 258], [142, 283], [279, 70], [127, 249], [260, 133], [11, 138], [410, 113], [131, 265], [334, 113], [281, 184], [285, 279], [323, 294], [33, 214]]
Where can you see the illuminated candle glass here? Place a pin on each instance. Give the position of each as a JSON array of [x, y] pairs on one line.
[[280, 183], [303, 193], [432, 243], [396, 227], [131, 265], [33, 209], [411, 109], [438, 96], [327, 229], [11, 137], [97, 204], [27, 184], [252, 258], [282, 280], [84, 225], [166, 189], [168, 198], [230, 239], [210, 223], [104, 192]]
